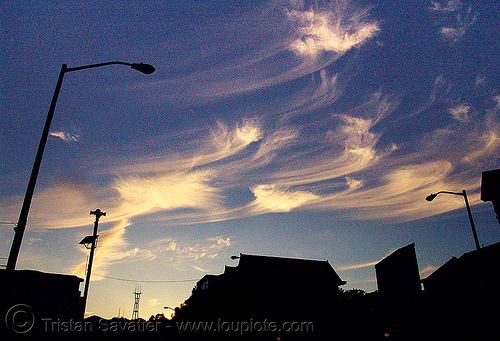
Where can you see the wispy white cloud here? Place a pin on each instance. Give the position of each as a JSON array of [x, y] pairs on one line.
[[322, 91], [441, 162], [288, 46], [488, 146], [333, 30], [275, 143], [57, 206], [342, 167], [400, 196], [429, 269], [460, 112], [271, 198], [180, 253], [225, 142], [111, 245], [356, 266], [150, 304], [149, 194], [371, 183], [113, 248], [349, 148], [446, 7], [66, 137], [455, 18], [219, 242]]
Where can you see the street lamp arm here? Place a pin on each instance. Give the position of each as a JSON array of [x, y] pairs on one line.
[[454, 193], [434, 195], [144, 68], [94, 65]]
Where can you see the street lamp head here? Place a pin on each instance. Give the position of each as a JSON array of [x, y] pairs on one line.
[[235, 257], [88, 241], [144, 68], [431, 197]]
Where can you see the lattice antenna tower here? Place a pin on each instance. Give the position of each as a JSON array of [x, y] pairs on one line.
[[137, 293]]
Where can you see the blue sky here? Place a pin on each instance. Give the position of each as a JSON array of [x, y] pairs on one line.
[[292, 128]]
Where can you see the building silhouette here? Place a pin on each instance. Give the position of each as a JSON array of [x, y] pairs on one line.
[[463, 295], [50, 295], [490, 189], [399, 294], [265, 288], [458, 300]]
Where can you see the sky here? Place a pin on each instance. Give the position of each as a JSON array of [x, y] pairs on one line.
[[310, 129]]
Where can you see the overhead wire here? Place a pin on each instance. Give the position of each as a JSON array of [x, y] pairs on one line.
[[147, 281]]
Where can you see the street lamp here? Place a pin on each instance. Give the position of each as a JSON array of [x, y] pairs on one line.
[[23, 216], [90, 242], [464, 194]]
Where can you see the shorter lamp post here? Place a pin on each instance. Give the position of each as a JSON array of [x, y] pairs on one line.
[[464, 194], [90, 242]]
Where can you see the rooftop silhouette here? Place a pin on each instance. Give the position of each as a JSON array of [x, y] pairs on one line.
[[266, 288]]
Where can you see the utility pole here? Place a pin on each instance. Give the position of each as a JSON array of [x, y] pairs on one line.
[[92, 239]]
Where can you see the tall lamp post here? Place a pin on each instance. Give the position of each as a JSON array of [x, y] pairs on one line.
[[23, 216], [464, 194]]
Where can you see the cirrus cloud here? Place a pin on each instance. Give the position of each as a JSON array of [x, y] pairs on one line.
[[66, 137], [270, 198], [329, 31]]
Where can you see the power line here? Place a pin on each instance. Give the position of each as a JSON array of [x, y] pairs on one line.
[[147, 281]]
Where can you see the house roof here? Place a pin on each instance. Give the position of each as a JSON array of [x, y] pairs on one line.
[[36, 275], [467, 265], [281, 267], [256, 267], [402, 255]]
